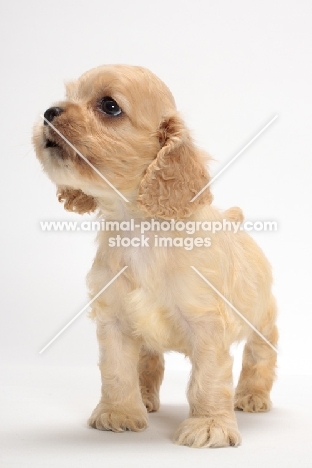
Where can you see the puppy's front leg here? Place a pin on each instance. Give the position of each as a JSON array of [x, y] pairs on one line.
[[212, 421], [120, 407]]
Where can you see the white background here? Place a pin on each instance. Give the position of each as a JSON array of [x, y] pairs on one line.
[[231, 66]]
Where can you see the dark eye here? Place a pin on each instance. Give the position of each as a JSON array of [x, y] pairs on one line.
[[109, 106]]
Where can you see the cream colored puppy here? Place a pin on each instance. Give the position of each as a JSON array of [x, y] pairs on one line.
[[124, 121]]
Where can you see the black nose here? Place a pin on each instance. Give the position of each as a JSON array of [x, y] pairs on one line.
[[51, 113]]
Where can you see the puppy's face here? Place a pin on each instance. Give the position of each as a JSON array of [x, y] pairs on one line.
[[120, 122], [111, 116]]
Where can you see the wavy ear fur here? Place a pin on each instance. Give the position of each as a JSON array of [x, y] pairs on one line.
[[76, 200], [176, 175]]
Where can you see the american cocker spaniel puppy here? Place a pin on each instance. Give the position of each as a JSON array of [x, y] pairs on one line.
[[121, 122]]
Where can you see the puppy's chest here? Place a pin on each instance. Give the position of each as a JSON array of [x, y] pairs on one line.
[[143, 263], [152, 306], [159, 326]]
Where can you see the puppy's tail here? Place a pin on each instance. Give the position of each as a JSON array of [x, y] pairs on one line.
[[234, 214]]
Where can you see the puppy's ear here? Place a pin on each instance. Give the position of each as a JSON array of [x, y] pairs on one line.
[[76, 200], [176, 175]]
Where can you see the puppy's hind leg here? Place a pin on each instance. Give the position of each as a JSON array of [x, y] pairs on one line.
[[258, 371], [151, 373]]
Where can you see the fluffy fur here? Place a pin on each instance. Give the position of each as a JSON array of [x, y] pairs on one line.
[[159, 303]]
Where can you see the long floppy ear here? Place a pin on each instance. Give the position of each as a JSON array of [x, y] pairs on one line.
[[75, 200], [176, 175]]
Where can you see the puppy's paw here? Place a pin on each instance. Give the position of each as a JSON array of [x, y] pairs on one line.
[[253, 402], [117, 419], [150, 400], [208, 432]]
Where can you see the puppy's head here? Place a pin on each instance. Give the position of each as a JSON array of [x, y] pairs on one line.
[[120, 122]]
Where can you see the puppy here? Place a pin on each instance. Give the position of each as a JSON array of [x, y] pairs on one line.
[[121, 122]]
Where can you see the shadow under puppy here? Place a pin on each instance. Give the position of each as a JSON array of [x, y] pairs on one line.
[[124, 121]]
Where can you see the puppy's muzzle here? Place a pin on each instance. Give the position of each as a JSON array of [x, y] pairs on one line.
[[49, 115]]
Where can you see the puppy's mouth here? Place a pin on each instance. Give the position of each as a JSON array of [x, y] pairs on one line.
[[51, 144], [55, 149]]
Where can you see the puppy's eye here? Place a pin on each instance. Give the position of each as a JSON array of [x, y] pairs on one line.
[[109, 106]]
